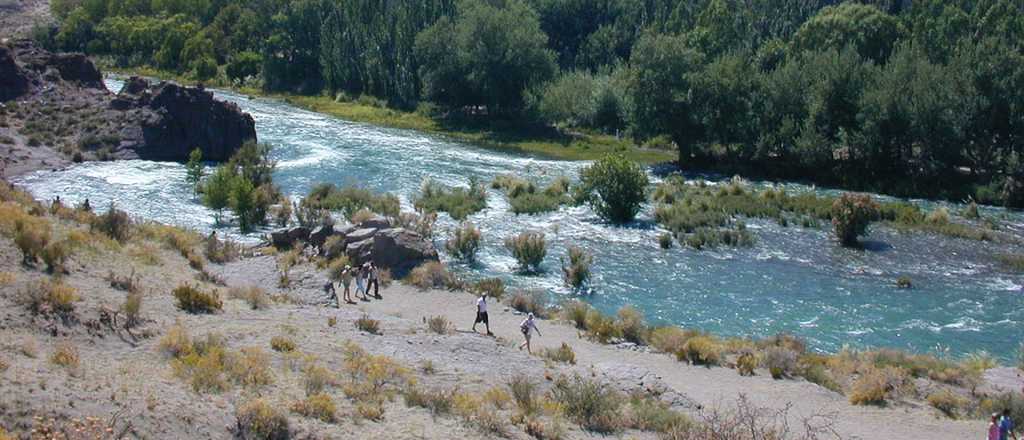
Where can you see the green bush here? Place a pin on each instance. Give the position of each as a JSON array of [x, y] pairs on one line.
[[632, 326], [529, 249], [493, 287], [464, 242], [575, 311], [535, 302], [195, 301], [591, 404], [701, 350], [851, 214], [349, 200], [614, 186], [31, 236], [459, 203], [259, 420], [576, 270]]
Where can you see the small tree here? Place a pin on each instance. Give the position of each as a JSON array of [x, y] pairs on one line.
[[614, 187], [851, 214], [243, 202], [195, 169], [217, 191]]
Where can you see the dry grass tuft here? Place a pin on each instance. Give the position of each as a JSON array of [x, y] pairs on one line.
[[45, 297], [317, 406], [563, 354], [259, 420], [439, 325], [534, 301], [877, 385], [282, 344], [193, 300], [948, 402], [316, 378], [369, 325], [256, 297], [66, 355], [433, 275]]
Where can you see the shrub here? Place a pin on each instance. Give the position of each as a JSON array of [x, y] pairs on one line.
[[335, 247], [970, 212], [220, 252], [652, 415], [979, 361], [576, 271], [876, 385], [439, 325], [132, 308], [250, 368], [459, 203], [530, 302], [563, 354], [366, 324], [665, 240], [432, 275], [195, 301], [282, 344], [904, 282], [421, 224], [115, 223], [591, 404], [670, 339], [316, 378], [438, 401], [614, 187], [176, 343], [195, 261], [464, 242], [701, 350], [66, 355], [474, 413], [817, 374], [529, 249], [55, 254], [31, 236], [256, 297], [128, 283], [318, 406], [746, 363], [851, 214], [524, 393], [259, 420], [493, 287], [361, 216], [601, 327], [948, 402], [348, 200], [780, 361], [45, 296], [631, 325], [576, 311]]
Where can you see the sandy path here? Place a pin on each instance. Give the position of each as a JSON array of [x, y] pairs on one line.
[[707, 386]]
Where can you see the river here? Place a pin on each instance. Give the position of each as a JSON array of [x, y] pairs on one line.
[[792, 280]]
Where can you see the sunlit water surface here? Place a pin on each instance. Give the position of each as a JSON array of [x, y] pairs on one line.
[[793, 280]]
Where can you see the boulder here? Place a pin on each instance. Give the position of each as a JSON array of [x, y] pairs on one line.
[[285, 238], [376, 222], [359, 235], [13, 81], [360, 251], [77, 68], [318, 236], [401, 250]]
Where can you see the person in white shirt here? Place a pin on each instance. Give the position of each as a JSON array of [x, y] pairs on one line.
[[481, 314], [527, 327]]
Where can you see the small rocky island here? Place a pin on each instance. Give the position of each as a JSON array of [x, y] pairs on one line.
[[55, 109]]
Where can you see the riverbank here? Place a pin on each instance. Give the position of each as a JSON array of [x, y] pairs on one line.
[[74, 356], [544, 142]]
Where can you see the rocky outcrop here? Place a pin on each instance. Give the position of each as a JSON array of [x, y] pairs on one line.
[[376, 222], [184, 118], [13, 81], [163, 121], [286, 238]]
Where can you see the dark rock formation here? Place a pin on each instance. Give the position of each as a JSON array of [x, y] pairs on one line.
[[376, 222], [359, 235], [286, 238], [401, 250], [13, 81], [185, 118], [319, 235]]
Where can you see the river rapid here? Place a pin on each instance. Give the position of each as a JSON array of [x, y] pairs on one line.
[[792, 280]]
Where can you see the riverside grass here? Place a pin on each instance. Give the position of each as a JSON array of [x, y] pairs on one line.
[[512, 138]]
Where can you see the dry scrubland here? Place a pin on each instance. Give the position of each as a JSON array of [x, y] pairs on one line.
[[120, 328]]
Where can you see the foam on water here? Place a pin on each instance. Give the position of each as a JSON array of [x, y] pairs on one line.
[[793, 279]]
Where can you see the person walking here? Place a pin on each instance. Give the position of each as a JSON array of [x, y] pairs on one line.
[[346, 282], [361, 282], [374, 280], [993, 428], [481, 314], [1006, 427], [332, 294], [527, 327]]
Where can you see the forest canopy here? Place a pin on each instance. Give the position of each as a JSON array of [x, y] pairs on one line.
[[917, 97]]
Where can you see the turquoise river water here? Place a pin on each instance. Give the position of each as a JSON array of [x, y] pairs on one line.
[[793, 280]]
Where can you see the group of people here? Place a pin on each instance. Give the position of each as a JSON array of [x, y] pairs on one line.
[[1001, 427], [527, 327], [366, 276]]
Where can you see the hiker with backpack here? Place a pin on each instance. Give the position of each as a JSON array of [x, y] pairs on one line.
[[527, 327]]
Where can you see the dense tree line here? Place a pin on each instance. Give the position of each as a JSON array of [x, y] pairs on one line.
[[917, 97]]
